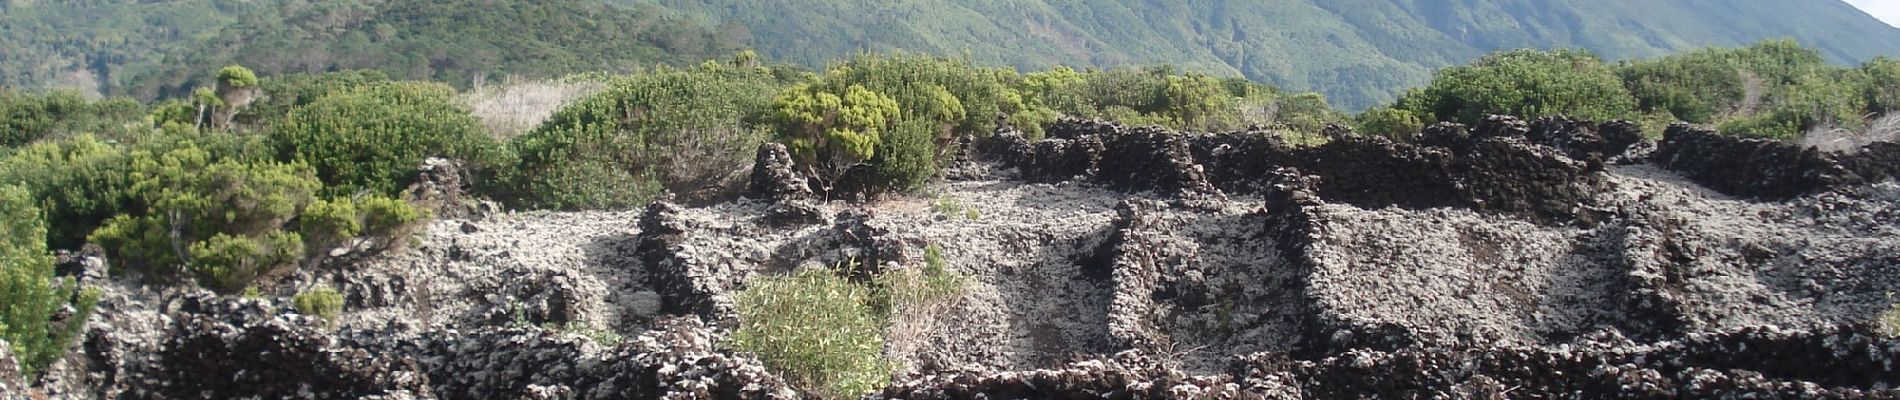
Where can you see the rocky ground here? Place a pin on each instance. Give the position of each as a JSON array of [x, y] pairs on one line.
[[1514, 259]]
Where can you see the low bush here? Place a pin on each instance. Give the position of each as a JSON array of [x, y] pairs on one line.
[[1527, 83], [219, 220], [816, 329], [677, 130], [322, 302], [371, 138], [933, 283]]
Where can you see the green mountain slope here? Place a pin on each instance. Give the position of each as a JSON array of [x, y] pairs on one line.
[[1359, 52], [150, 49]]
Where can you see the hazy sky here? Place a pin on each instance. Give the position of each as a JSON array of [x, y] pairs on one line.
[[1886, 10]]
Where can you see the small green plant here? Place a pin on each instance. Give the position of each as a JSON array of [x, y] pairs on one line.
[[933, 283], [951, 208], [817, 329], [322, 302]]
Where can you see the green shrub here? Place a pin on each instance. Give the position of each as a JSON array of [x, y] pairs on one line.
[[233, 262], [322, 302], [817, 330], [29, 117], [893, 115], [1162, 96], [1882, 88], [677, 130], [283, 93], [32, 295], [221, 220], [372, 138], [907, 157], [1391, 123], [388, 217], [326, 223], [82, 182], [836, 131], [1527, 83]]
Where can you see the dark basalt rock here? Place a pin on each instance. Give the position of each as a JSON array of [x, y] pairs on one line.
[[774, 177], [1152, 159], [1875, 162], [1235, 162], [1373, 172], [235, 349], [793, 213], [1057, 160], [1756, 168], [12, 380], [686, 285], [678, 358], [1128, 375], [1498, 169], [1840, 363]]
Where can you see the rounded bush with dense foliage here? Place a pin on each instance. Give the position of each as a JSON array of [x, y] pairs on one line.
[[1527, 83], [835, 130], [678, 130], [372, 138], [237, 76], [31, 294], [218, 220]]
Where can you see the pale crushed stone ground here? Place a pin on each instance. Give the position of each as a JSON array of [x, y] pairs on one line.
[[1028, 305]]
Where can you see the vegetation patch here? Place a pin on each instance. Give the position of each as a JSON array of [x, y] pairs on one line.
[[816, 329], [322, 302], [32, 295]]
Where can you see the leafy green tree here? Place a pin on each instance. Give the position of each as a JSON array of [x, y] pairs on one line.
[[237, 76], [32, 295], [1527, 83], [372, 138], [1883, 85], [1198, 102], [1391, 123]]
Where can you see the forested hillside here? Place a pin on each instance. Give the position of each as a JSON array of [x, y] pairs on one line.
[[146, 49]]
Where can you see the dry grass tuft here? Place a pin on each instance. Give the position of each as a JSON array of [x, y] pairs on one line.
[[1831, 138], [514, 108]]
